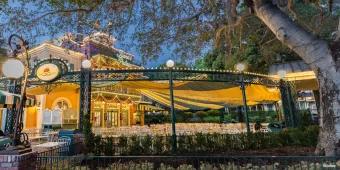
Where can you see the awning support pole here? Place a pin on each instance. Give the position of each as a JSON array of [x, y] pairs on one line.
[[245, 107], [287, 104], [173, 114], [85, 97]]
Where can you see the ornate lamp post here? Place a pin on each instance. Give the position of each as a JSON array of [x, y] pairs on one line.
[[240, 67], [14, 68], [170, 64], [85, 92]]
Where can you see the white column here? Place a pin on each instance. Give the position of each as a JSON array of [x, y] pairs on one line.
[[4, 117], [265, 107], [24, 118], [40, 110]]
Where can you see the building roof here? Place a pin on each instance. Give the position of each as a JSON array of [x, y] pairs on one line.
[[96, 43], [51, 48], [289, 67], [297, 72]]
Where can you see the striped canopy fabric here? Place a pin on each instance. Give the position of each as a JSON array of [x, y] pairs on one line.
[[7, 98], [188, 95], [203, 95]]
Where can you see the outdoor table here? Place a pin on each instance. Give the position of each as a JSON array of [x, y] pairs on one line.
[[37, 138]]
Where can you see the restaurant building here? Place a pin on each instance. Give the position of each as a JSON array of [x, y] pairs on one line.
[[118, 103], [57, 104]]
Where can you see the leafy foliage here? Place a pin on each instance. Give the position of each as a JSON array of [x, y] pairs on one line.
[[211, 116], [304, 118], [213, 143], [88, 134], [186, 28]]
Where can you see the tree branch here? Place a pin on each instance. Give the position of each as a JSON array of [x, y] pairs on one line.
[[62, 11]]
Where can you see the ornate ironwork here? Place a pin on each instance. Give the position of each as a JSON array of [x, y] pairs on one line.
[[12, 110], [163, 74], [85, 95], [244, 99], [85, 77], [18, 45], [288, 104]]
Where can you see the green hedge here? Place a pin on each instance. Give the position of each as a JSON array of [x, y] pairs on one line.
[[207, 143], [210, 116]]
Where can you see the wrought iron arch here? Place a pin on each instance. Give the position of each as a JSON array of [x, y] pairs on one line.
[[153, 74]]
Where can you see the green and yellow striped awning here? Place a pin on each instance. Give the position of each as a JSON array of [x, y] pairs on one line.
[[203, 95], [7, 98]]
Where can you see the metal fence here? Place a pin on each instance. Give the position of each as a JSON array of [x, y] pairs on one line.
[[187, 162]]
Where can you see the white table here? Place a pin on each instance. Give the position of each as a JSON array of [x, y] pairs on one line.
[[38, 138]]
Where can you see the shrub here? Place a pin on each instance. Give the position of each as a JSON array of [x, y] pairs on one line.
[[134, 145], [228, 117], [122, 143], [211, 119], [214, 116], [183, 116], [209, 143], [213, 112], [146, 144], [108, 146], [98, 145], [156, 118], [304, 118], [182, 147], [201, 114], [158, 145], [88, 134]]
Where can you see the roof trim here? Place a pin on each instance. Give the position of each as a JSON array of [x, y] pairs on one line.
[[46, 45]]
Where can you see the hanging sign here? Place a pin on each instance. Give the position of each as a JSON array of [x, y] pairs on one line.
[[48, 72]]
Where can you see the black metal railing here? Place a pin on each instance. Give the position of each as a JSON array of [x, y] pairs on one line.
[[186, 162]]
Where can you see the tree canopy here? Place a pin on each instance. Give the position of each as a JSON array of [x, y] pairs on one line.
[[188, 28], [229, 28]]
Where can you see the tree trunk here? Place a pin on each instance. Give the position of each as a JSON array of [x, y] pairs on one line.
[[316, 95], [318, 55]]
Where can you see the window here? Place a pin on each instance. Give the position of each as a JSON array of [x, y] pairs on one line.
[[62, 104]]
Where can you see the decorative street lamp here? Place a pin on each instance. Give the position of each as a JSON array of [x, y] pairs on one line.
[[86, 64], [170, 64], [282, 74], [241, 67], [14, 69]]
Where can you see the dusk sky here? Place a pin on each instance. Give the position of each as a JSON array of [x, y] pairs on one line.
[[127, 43]]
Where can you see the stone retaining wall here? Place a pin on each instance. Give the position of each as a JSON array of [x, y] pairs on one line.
[[25, 161]]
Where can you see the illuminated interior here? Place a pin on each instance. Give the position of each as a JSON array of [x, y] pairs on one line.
[[115, 104]]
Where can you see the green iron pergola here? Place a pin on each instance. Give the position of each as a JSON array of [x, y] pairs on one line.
[[156, 74], [85, 77], [152, 74]]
